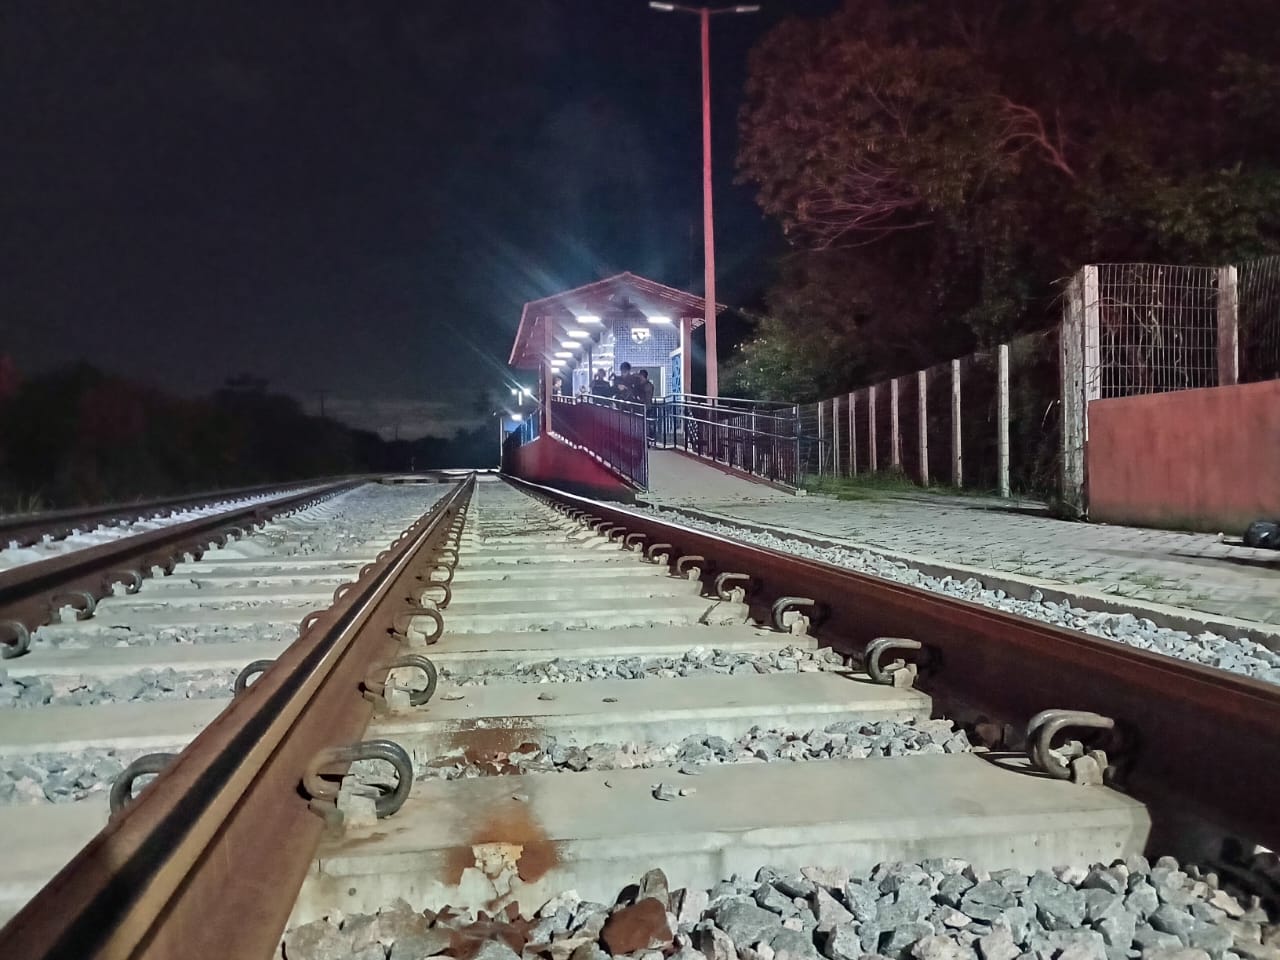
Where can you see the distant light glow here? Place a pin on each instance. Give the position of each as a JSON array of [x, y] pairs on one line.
[[659, 319], [589, 319], [664, 7], [528, 392], [579, 334], [564, 355], [517, 417]]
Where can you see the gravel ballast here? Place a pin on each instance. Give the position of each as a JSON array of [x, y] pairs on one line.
[[62, 777], [145, 686], [1241, 656], [942, 909], [12, 556], [694, 662], [843, 740]]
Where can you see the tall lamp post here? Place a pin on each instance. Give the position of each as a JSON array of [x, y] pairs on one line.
[[704, 15]]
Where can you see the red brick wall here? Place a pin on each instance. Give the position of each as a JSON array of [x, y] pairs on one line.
[[551, 462], [1194, 459]]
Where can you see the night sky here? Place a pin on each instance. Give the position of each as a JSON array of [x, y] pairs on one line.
[[351, 197]]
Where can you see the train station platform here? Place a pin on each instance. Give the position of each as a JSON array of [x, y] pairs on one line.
[[975, 535]]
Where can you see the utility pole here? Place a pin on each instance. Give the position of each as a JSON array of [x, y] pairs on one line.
[[708, 226]]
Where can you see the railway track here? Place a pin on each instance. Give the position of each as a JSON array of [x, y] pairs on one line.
[[36, 589], [30, 529], [656, 740]]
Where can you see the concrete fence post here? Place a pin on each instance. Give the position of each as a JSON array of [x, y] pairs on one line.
[[821, 436], [871, 427], [853, 434], [922, 414], [1071, 365], [1002, 416], [1092, 342], [1228, 327], [895, 448], [957, 461], [835, 434]]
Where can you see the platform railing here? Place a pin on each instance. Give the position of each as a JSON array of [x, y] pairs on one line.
[[757, 437], [761, 438], [613, 431]]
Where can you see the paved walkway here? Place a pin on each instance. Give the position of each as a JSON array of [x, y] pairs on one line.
[[677, 479], [1187, 570]]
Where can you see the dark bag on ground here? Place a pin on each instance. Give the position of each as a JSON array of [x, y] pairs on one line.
[[1263, 533]]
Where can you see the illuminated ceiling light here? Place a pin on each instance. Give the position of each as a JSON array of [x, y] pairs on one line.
[[570, 344], [579, 334], [528, 392], [589, 319], [517, 417], [564, 355], [557, 364], [659, 319]]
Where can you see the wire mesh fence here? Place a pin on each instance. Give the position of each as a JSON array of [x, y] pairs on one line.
[[1157, 326], [996, 419], [1259, 319]]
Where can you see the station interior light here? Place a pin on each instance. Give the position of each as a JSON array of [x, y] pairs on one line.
[[589, 318], [563, 355], [659, 319], [570, 344], [517, 417], [557, 364], [579, 334]]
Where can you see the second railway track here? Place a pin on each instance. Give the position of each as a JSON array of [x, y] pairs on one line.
[[611, 703]]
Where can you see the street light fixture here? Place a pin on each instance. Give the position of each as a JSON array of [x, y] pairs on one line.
[[708, 232]]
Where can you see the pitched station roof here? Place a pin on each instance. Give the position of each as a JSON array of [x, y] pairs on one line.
[[610, 299]]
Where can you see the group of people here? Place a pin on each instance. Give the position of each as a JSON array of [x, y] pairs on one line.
[[624, 385]]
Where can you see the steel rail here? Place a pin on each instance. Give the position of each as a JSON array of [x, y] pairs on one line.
[[31, 593], [26, 529], [207, 861], [1195, 739]]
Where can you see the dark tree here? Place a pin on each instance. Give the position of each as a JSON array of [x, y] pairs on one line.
[[939, 165]]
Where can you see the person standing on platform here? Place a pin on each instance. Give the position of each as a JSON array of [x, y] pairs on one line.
[[644, 394], [644, 388], [600, 386], [624, 384]]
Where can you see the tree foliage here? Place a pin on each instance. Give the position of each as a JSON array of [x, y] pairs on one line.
[[939, 164], [80, 436]]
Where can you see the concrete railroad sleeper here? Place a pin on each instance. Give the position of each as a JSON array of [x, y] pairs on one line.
[[33, 594], [207, 860]]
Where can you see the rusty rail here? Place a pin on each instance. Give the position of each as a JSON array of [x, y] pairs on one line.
[[209, 858], [1196, 739], [32, 594]]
